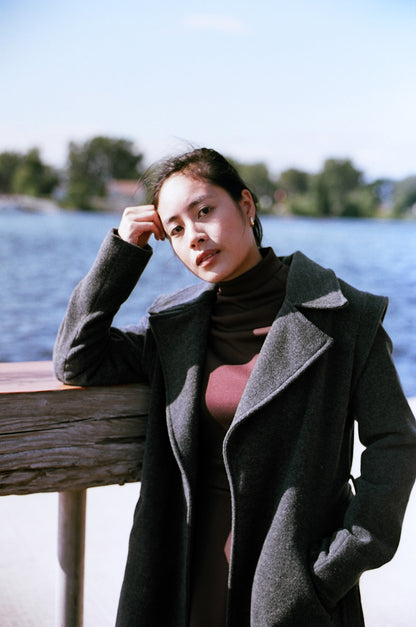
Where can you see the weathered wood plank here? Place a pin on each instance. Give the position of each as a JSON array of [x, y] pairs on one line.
[[55, 437], [28, 376]]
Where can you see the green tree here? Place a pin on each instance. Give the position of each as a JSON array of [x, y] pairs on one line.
[[294, 181], [302, 204], [293, 193], [338, 178], [32, 176], [361, 202], [257, 177], [93, 163], [404, 196], [9, 161], [383, 190]]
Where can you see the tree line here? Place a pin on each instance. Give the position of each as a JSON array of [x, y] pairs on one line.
[[339, 189]]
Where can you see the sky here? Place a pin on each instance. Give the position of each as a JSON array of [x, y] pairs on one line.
[[286, 83]]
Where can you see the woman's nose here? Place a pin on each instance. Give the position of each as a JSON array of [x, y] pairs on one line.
[[197, 237]]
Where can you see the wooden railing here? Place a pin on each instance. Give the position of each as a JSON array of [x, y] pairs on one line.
[[58, 438]]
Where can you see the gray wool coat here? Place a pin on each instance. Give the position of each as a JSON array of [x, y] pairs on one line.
[[301, 536]]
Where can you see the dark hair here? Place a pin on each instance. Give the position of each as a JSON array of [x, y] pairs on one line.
[[207, 164]]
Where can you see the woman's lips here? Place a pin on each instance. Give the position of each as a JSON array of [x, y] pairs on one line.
[[206, 257]]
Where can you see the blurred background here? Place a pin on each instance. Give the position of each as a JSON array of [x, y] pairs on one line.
[[287, 84], [313, 101]]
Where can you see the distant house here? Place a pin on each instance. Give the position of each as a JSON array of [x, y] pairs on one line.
[[121, 194]]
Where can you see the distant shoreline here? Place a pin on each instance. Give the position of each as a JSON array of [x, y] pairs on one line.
[[32, 204]]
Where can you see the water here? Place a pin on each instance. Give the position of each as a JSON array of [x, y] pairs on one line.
[[42, 257]]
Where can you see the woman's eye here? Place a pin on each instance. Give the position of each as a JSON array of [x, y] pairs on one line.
[[175, 231], [204, 211]]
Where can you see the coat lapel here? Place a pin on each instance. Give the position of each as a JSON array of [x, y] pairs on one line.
[[180, 332], [294, 342], [292, 345]]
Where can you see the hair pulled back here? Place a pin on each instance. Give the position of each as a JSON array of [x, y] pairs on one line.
[[209, 165]]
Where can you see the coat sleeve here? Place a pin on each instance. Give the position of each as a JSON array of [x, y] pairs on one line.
[[88, 350], [373, 521]]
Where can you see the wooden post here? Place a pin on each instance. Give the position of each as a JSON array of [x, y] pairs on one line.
[[71, 549]]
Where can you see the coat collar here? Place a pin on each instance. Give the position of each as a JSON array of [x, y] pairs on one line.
[[312, 286], [309, 285], [180, 325]]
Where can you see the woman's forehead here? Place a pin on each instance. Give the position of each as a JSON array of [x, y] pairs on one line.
[[182, 193]]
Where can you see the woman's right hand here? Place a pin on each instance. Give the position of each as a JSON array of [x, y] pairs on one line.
[[138, 223]]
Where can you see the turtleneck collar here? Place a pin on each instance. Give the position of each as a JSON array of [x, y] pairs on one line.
[[255, 279]]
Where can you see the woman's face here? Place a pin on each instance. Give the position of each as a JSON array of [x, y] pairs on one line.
[[209, 232]]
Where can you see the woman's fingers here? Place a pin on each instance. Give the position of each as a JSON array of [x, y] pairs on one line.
[[139, 223]]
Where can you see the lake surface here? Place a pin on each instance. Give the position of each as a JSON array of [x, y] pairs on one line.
[[42, 257]]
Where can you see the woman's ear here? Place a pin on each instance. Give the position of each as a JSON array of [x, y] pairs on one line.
[[247, 204]]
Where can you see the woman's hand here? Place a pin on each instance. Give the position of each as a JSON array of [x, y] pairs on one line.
[[138, 223]]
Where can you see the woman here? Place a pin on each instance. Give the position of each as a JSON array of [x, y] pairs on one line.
[[246, 515]]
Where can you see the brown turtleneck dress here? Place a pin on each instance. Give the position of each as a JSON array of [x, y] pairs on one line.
[[243, 313]]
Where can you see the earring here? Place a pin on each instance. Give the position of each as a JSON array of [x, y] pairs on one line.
[[252, 221]]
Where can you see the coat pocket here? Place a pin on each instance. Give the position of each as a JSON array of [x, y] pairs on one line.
[[333, 568], [325, 602]]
